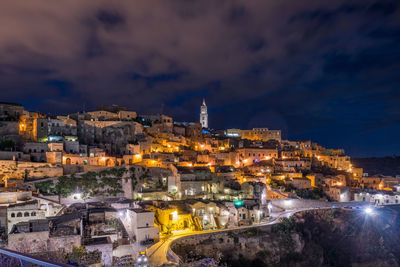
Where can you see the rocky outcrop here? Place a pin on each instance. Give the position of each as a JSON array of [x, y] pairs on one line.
[[315, 238]]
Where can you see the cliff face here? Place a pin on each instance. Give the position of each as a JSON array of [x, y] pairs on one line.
[[318, 238]]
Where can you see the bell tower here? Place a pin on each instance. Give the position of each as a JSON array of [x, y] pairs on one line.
[[204, 114]]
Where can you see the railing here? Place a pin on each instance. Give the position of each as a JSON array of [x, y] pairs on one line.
[[172, 256], [9, 258]]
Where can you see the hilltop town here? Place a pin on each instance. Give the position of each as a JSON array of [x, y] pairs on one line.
[[105, 186]]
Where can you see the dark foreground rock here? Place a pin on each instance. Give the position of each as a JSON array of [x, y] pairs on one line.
[[315, 238]]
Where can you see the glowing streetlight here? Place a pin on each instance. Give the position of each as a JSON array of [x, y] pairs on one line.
[[369, 211], [174, 215]]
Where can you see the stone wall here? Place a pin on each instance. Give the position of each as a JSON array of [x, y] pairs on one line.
[[13, 197], [293, 204], [65, 243], [9, 128], [106, 252], [39, 242], [29, 242], [230, 244], [35, 170], [11, 155]]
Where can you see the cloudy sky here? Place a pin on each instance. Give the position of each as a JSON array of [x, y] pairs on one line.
[[328, 71]]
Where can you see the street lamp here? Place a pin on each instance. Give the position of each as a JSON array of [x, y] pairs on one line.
[[369, 211]]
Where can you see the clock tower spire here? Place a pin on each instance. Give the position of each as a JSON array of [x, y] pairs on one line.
[[204, 114]]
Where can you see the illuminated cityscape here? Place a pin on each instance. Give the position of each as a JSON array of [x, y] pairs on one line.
[[199, 133]]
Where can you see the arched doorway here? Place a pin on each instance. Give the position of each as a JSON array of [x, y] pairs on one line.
[[68, 161]]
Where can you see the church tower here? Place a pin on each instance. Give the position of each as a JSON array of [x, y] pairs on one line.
[[204, 115]]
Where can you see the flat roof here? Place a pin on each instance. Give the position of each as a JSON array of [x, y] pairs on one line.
[[10, 103], [140, 210]]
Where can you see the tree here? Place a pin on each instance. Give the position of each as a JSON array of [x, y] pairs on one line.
[[7, 145]]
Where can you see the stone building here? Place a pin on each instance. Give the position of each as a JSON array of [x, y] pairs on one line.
[[10, 110], [252, 155], [103, 115], [378, 197], [23, 212], [263, 134], [338, 193], [112, 135], [35, 237], [300, 183], [142, 223]]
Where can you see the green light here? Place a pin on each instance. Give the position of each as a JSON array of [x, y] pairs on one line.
[[238, 203]]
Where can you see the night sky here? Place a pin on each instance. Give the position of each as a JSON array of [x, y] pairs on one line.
[[328, 71]]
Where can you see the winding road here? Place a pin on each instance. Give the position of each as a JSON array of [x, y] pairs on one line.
[[160, 253]]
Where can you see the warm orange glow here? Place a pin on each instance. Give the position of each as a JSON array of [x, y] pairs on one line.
[[190, 164], [339, 183], [174, 215], [103, 158], [267, 157], [283, 157], [245, 160], [137, 156]]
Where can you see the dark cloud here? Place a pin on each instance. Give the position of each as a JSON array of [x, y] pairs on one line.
[[321, 70]]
